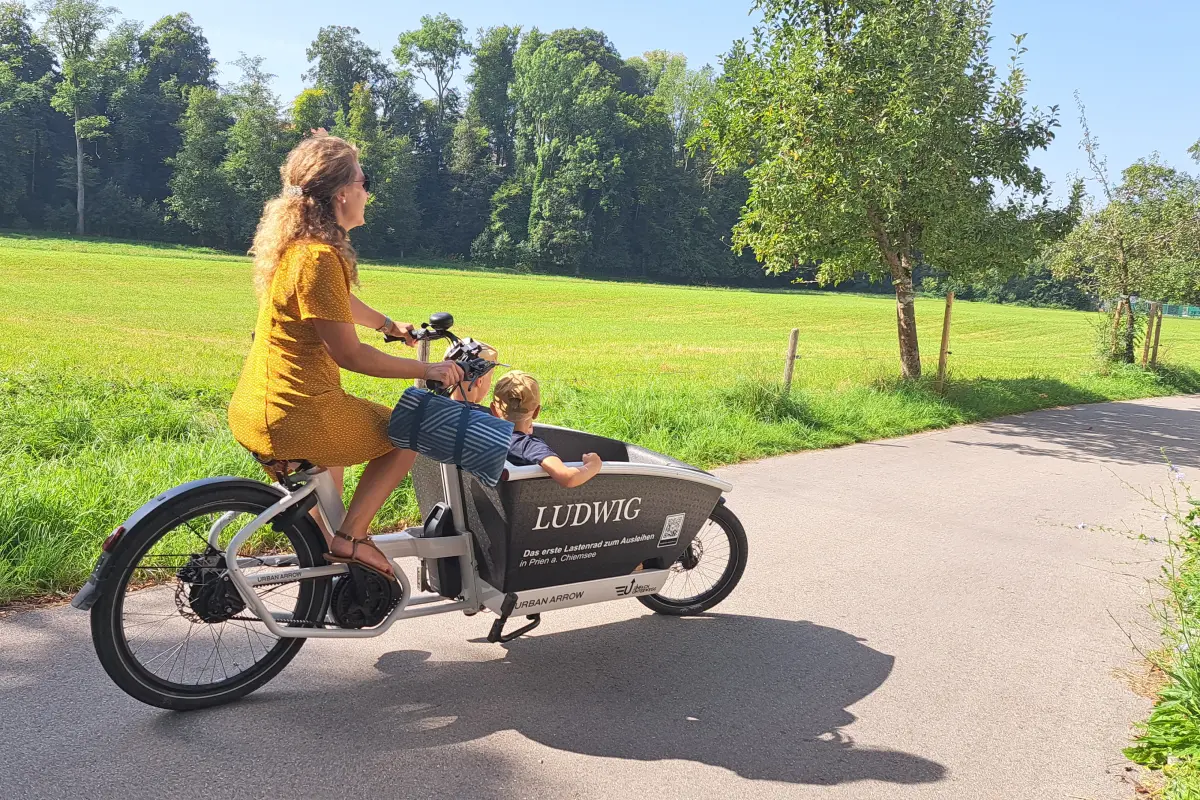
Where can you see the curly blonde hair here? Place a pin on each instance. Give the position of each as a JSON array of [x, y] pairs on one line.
[[313, 173]]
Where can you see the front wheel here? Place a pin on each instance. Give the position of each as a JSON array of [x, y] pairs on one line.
[[708, 570], [170, 628]]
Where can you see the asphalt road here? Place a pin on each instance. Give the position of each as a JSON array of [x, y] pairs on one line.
[[920, 618]]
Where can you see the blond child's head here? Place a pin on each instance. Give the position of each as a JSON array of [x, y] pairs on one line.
[[517, 398], [479, 390]]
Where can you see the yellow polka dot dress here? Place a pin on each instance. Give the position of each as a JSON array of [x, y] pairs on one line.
[[289, 402]]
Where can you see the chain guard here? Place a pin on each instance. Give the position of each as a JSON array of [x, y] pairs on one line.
[[351, 609]]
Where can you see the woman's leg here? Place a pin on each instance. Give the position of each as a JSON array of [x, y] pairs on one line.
[[378, 481]]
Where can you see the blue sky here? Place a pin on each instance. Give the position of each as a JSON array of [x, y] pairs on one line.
[[1135, 62]]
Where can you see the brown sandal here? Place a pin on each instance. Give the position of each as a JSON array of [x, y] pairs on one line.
[[353, 557]]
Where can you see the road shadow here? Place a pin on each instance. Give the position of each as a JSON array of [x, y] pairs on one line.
[[1123, 433], [764, 698]]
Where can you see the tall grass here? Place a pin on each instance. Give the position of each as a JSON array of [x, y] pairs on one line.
[[79, 454], [117, 361], [1170, 739]]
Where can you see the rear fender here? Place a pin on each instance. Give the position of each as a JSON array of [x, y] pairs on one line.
[[98, 581]]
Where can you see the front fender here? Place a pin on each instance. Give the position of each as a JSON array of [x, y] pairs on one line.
[[95, 585]]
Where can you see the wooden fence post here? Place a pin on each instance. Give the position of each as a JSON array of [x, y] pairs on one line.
[[422, 355], [1149, 333], [1158, 329], [790, 365], [1116, 325], [943, 356]]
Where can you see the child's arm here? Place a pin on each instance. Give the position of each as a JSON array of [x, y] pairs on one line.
[[570, 477]]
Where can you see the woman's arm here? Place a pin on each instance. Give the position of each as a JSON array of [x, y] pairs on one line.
[[370, 318], [341, 340]]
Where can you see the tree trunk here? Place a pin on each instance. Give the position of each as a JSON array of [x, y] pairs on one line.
[[906, 321], [899, 263], [78, 178]]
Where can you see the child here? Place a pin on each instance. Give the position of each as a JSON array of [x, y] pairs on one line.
[[472, 395], [518, 399]]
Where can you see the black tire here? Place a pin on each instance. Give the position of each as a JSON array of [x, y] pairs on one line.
[[729, 525], [248, 499]]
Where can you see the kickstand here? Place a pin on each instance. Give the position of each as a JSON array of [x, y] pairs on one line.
[[496, 634]]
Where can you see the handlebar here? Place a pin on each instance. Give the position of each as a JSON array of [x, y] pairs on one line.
[[464, 353]]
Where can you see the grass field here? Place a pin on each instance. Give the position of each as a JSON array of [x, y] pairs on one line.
[[116, 361]]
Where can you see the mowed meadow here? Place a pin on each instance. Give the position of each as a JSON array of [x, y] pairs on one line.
[[116, 362]]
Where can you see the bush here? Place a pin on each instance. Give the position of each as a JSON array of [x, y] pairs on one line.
[[111, 212], [1037, 288]]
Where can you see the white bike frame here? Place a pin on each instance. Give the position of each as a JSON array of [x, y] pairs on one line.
[[476, 593]]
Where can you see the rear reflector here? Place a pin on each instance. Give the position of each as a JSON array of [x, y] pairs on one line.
[[112, 539]]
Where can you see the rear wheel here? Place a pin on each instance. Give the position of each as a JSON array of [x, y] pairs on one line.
[[171, 629], [708, 570]]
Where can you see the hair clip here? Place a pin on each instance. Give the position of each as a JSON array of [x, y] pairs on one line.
[[293, 191]]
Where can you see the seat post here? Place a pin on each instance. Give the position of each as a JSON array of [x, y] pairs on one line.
[[329, 500]]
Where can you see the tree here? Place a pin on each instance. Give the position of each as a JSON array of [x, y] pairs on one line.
[[490, 80], [435, 50], [256, 144], [570, 124], [342, 61], [387, 158], [1145, 241], [73, 28], [173, 57], [875, 136], [140, 79], [201, 194], [26, 84], [310, 110], [685, 93]]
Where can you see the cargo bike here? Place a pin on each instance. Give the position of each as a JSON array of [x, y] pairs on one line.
[[208, 590]]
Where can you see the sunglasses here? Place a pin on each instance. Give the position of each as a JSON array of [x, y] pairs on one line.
[[366, 182]]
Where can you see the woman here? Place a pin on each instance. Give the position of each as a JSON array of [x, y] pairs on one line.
[[289, 404]]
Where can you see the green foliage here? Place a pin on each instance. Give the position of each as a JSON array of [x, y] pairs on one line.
[[490, 79], [1035, 286], [342, 62], [876, 135], [435, 50], [201, 195], [1144, 240], [601, 181], [256, 145], [73, 28], [392, 212], [1170, 739], [26, 84]]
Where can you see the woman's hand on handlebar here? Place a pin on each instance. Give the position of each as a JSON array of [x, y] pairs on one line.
[[403, 331], [446, 373]]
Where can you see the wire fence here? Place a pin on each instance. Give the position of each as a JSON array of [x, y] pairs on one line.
[[1168, 309]]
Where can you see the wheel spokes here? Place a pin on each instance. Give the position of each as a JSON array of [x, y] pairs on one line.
[[175, 610], [703, 567]]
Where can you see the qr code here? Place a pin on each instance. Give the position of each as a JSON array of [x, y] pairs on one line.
[[670, 531]]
